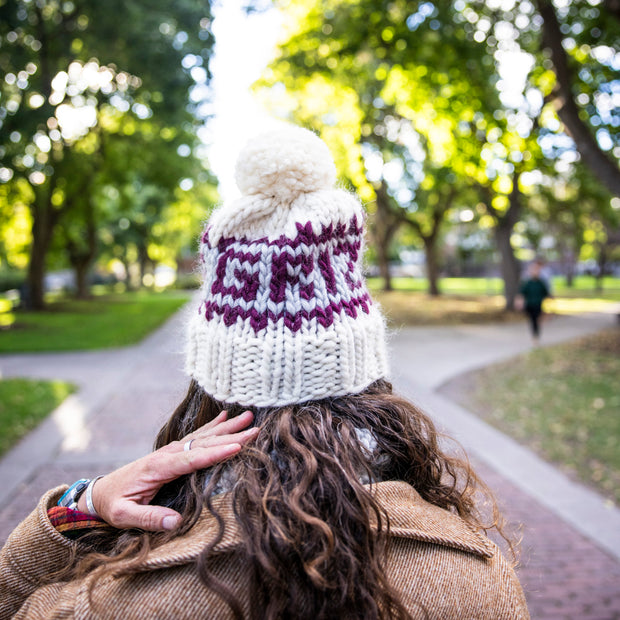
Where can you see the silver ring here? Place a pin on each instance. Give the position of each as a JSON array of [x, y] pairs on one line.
[[187, 446]]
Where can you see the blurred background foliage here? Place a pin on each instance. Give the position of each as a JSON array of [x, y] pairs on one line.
[[101, 105], [479, 134], [484, 125]]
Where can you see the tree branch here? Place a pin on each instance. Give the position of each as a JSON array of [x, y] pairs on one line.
[[593, 156]]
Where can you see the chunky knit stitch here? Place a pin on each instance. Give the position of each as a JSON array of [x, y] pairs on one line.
[[285, 315]]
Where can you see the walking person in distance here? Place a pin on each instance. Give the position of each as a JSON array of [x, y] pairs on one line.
[[533, 291]]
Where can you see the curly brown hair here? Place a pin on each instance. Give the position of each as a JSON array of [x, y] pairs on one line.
[[314, 536]]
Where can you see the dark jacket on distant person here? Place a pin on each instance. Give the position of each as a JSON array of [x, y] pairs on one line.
[[534, 292]]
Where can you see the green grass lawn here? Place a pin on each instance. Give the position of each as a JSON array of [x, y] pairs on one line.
[[561, 401], [449, 286], [584, 286], [24, 403], [106, 321], [480, 300]]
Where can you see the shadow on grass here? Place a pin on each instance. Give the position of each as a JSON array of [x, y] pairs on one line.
[[403, 308]]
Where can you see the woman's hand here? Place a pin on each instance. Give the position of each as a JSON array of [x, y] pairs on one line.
[[122, 497]]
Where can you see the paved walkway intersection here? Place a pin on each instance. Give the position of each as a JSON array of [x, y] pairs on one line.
[[570, 560]]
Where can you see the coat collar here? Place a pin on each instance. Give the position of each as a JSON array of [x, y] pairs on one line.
[[410, 517]]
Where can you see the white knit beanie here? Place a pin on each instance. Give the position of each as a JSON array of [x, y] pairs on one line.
[[285, 315]]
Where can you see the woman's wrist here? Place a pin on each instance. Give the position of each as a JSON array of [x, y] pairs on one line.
[[86, 503]]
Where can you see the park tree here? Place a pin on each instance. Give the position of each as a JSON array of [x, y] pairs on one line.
[[571, 215], [173, 236], [573, 49], [483, 81], [507, 153], [420, 63], [476, 147], [77, 224], [68, 69], [136, 182], [436, 197], [600, 222], [139, 228], [413, 189]]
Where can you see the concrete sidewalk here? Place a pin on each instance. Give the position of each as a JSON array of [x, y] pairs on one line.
[[123, 397], [424, 359], [571, 564], [570, 561]]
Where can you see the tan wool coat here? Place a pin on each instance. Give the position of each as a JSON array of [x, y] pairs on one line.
[[442, 568]]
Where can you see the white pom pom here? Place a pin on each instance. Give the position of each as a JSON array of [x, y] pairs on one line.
[[284, 164]]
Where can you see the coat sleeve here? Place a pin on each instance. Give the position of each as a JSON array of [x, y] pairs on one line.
[[33, 552]]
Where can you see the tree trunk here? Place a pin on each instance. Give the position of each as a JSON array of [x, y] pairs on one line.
[[143, 261], [593, 156], [82, 290], [44, 218], [505, 222], [384, 266], [35, 295], [569, 268], [509, 265], [429, 239], [432, 264], [81, 260], [81, 254], [385, 226], [602, 266], [567, 256], [613, 6], [128, 281]]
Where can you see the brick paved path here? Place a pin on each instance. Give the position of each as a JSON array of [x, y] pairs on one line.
[[565, 575]]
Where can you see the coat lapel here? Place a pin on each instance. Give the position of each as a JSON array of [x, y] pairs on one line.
[[412, 517]]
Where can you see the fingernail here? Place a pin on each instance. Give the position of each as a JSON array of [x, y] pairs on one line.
[[170, 522]]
